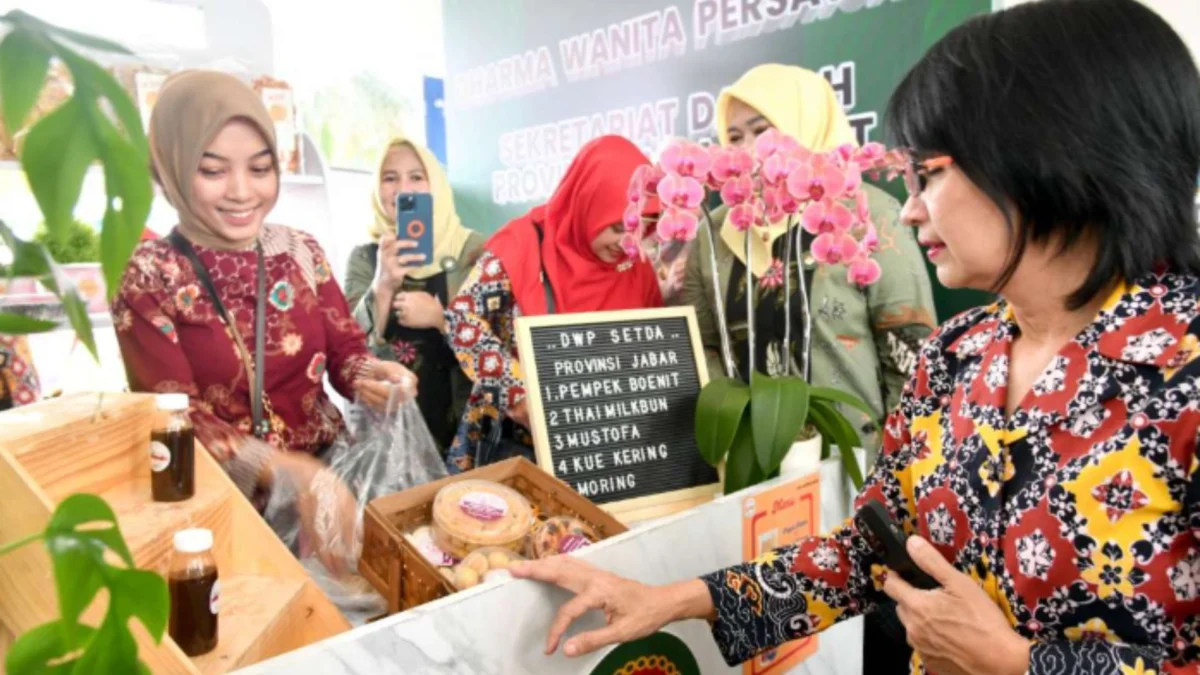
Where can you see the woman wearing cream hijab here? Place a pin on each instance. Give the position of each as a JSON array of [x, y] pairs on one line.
[[244, 317], [864, 342], [398, 300]]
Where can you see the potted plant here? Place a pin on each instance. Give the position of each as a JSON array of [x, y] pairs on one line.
[[77, 250], [97, 122], [752, 427]]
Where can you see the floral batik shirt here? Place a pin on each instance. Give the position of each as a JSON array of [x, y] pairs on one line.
[[173, 340], [481, 328], [18, 378], [1078, 514]]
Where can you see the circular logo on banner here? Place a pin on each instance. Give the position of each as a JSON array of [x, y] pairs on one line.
[[658, 654], [160, 457], [214, 597], [415, 229]]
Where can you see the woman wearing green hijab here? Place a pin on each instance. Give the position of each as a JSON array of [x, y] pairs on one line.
[[399, 301]]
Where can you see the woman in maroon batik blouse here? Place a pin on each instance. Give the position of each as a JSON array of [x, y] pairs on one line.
[[213, 148]]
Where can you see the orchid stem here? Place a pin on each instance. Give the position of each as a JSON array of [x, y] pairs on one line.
[[719, 301], [806, 336], [787, 295], [750, 303]]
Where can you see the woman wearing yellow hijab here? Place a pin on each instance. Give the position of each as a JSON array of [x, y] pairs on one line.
[[864, 341], [399, 301]]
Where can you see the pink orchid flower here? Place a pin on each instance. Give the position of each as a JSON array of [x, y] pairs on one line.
[[630, 244], [729, 163], [645, 178], [686, 159], [743, 216], [633, 217], [777, 167], [773, 142], [845, 151], [863, 271], [870, 240], [817, 179], [737, 190], [827, 217], [862, 207], [833, 248], [853, 179], [677, 225], [680, 192], [779, 203], [870, 154]]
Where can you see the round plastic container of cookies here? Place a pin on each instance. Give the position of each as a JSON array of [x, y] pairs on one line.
[[471, 514]]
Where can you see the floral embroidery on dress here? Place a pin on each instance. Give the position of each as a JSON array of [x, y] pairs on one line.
[[282, 296], [405, 352]]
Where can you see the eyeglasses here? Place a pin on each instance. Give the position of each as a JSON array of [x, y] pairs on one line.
[[917, 171]]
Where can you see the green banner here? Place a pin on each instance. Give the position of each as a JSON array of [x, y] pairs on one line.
[[530, 81]]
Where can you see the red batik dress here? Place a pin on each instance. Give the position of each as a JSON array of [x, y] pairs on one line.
[[173, 340]]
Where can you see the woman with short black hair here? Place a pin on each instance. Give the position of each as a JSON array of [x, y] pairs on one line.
[[1043, 456]]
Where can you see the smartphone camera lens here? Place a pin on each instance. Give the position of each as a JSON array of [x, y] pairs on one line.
[[406, 203]]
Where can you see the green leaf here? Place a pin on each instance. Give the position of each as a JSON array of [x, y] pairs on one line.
[[56, 157], [837, 396], [32, 23], [29, 259], [127, 183], [832, 423], [85, 509], [144, 595], [78, 554], [741, 469], [34, 650], [778, 411], [99, 82], [112, 650], [24, 62], [19, 324], [74, 306], [719, 412]]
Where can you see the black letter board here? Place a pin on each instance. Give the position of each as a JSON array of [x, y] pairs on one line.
[[612, 401]]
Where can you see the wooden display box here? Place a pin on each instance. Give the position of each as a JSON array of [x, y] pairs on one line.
[[56, 448], [405, 578]]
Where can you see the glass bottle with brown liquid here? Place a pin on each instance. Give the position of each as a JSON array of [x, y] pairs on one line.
[[195, 592], [172, 451]]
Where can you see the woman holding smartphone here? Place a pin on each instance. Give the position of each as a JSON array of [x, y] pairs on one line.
[[398, 297]]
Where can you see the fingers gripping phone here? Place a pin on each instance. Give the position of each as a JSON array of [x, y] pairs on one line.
[[886, 538], [414, 222]]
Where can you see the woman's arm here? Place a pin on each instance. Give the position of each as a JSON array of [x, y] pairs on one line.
[[479, 329], [360, 291]]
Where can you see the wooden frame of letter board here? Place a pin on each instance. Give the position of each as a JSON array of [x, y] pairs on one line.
[[626, 510]]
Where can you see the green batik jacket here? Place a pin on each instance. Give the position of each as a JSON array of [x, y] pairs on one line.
[[864, 341]]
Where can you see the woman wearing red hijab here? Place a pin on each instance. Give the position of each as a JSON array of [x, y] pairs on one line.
[[574, 240]]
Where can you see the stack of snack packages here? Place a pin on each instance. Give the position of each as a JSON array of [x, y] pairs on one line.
[[480, 528]]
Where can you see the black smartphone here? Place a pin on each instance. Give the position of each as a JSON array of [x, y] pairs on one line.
[[887, 540], [414, 222]]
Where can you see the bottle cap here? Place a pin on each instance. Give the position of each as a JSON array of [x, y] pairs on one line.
[[195, 540], [172, 402]]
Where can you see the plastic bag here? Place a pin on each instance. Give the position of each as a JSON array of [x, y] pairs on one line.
[[384, 453]]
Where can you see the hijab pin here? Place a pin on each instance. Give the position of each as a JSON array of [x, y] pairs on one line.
[[625, 266], [448, 264]]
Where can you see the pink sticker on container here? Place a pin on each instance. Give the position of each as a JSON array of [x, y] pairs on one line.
[[435, 555], [572, 542], [483, 506]]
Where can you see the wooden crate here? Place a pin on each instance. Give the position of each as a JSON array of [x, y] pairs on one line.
[[405, 578], [56, 448]]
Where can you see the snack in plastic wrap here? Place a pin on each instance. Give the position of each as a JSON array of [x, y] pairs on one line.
[[560, 534], [471, 514], [388, 452], [422, 540], [484, 564]]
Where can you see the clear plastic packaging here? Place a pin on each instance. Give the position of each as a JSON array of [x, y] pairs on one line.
[[471, 514], [483, 565], [560, 535], [387, 452]]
